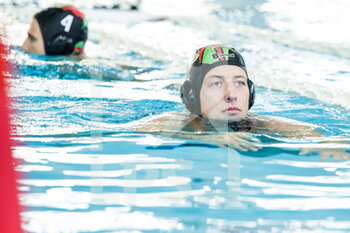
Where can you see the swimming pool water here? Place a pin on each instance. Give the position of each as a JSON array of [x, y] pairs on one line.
[[82, 171]]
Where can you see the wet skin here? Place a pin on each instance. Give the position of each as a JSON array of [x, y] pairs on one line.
[[225, 94], [34, 42]]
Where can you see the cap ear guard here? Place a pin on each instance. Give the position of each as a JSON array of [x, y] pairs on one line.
[[61, 45], [202, 62], [251, 87], [188, 98], [64, 30]]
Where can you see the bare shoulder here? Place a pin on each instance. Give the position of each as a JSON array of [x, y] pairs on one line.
[[284, 126], [164, 122]]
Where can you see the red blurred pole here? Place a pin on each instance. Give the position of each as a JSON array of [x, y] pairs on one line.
[[9, 207]]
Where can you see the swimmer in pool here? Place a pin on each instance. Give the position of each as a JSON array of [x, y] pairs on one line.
[[57, 31], [218, 94]]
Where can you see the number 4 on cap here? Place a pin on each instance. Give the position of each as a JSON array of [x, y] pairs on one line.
[[66, 22]]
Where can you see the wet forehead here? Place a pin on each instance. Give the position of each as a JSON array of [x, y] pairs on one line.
[[34, 28], [226, 71]]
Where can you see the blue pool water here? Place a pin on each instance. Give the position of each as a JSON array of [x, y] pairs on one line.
[[84, 171]]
